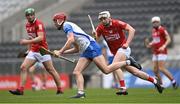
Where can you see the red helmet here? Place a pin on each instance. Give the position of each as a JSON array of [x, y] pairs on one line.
[[60, 16]]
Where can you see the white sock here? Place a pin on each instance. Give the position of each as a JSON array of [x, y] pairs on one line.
[[123, 88], [80, 92], [155, 80], [173, 81]]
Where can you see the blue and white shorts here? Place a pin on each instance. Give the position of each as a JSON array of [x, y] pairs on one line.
[[92, 51]]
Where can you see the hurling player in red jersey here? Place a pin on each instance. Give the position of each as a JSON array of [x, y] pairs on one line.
[[37, 39], [112, 31], [160, 40]]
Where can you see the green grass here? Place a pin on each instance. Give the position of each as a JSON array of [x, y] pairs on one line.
[[94, 96]]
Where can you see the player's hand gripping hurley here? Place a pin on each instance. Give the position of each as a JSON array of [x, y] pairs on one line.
[[44, 51]]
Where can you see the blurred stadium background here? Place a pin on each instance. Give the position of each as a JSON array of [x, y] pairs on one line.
[[135, 12]]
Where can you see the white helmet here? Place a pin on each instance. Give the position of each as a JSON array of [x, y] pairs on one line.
[[105, 14], [155, 18]]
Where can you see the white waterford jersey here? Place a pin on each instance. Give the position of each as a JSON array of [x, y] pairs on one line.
[[81, 38]]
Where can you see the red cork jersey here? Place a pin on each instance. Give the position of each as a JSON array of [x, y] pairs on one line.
[[159, 38], [32, 30], [113, 34]]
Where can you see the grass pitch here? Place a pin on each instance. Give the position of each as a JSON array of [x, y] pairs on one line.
[[136, 95]]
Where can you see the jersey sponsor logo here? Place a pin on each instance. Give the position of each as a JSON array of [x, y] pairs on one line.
[[31, 35], [156, 39], [112, 37]]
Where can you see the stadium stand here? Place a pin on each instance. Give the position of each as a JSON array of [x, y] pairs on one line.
[[9, 7], [135, 12]]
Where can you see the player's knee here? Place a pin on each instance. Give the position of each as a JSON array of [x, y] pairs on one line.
[[76, 72], [23, 68], [30, 70]]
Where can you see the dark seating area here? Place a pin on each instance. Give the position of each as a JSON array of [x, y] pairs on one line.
[[135, 12], [10, 50]]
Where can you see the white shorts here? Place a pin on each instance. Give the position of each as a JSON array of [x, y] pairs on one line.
[[159, 57], [126, 51], [38, 57]]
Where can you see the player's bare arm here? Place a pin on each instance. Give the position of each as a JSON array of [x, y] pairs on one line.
[[34, 40], [147, 43], [168, 40], [74, 49], [67, 45], [131, 31]]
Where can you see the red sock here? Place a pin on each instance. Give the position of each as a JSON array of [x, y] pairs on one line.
[[59, 89], [150, 79], [21, 88], [44, 85], [122, 83]]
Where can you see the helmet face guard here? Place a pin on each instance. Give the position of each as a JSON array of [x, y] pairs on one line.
[[156, 24], [30, 15], [104, 14], [59, 19], [156, 21], [105, 18], [59, 16], [29, 11]]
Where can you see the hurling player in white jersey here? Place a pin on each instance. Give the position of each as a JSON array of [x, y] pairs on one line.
[[87, 46]]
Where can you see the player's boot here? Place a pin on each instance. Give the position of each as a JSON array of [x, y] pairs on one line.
[[134, 63], [175, 85], [16, 92], [122, 92], [59, 92], [158, 86], [79, 96]]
